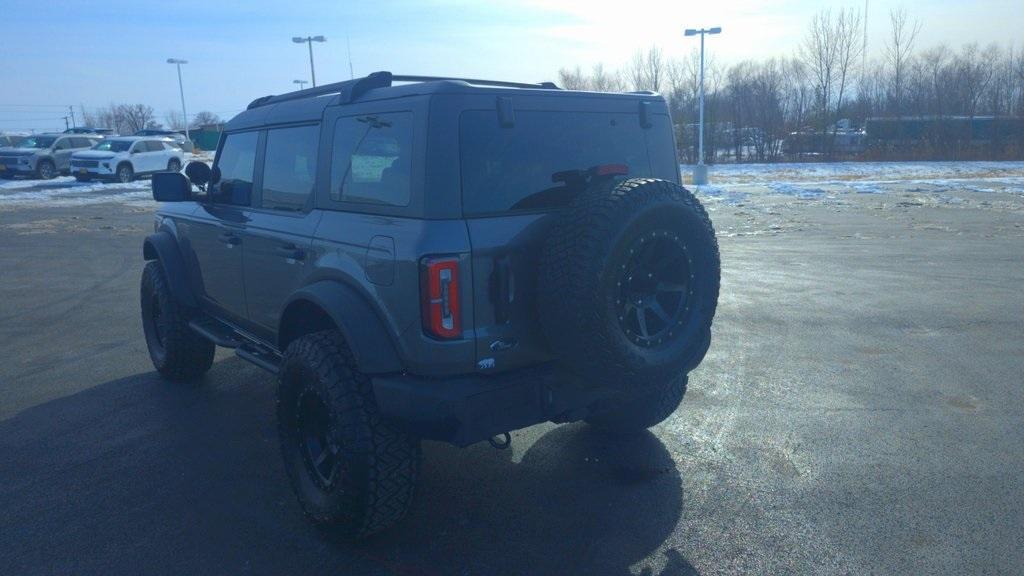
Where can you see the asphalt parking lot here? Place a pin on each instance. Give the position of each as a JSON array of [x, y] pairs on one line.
[[859, 412]]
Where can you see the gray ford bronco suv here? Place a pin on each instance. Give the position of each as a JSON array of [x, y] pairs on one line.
[[433, 258]]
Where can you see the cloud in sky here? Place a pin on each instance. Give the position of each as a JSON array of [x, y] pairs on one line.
[[94, 53]]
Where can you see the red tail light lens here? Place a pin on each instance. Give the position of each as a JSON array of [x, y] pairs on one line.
[[611, 170], [439, 281]]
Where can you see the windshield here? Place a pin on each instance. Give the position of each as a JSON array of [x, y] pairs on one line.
[[37, 142], [113, 145]]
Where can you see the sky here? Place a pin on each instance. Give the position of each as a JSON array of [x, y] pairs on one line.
[[55, 53]]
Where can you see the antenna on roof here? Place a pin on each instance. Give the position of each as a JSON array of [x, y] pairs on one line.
[[348, 46]]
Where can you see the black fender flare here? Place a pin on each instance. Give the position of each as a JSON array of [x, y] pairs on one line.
[[163, 248], [363, 330]]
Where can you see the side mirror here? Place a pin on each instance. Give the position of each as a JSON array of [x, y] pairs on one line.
[[198, 172], [171, 187]]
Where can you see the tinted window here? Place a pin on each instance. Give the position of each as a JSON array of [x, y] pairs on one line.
[[155, 146], [80, 143], [372, 159], [512, 168], [113, 145], [37, 142], [237, 161], [289, 167]]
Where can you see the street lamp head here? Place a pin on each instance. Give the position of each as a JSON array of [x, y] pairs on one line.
[[715, 30], [176, 61], [690, 32], [319, 39], [298, 40]]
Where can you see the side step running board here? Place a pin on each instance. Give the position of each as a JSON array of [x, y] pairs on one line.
[[267, 360], [225, 336], [217, 332]]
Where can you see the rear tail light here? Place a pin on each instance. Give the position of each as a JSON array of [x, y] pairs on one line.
[[610, 170], [439, 282]]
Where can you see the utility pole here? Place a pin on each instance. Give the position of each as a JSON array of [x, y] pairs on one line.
[[66, 125], [700, 171], [181, 90], [71, 109]]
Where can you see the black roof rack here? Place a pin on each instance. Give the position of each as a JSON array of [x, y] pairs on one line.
[[350, 90], [544, 85]]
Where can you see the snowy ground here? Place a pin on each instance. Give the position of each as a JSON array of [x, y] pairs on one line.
[[984, 184], [735, 183], [773, 198]]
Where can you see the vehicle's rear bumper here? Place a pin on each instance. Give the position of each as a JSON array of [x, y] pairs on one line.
[[467, 409]]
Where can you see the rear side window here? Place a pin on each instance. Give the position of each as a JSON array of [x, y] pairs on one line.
[[154, 146], [289, 167], [511, 168], [237, 161], [372, 159]]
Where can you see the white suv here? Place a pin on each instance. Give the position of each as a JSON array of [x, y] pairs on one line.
[[124, 158]]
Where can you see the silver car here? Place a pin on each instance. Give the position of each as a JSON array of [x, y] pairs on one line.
[[43, 155]]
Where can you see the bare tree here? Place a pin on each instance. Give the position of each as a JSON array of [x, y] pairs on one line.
[[831, 50], [647, 69], [205, 118], [134, 117], [174, 120], [898, 52], [604, 81], [572, 79]]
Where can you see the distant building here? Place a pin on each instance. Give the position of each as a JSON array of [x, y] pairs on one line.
[[962, 129]]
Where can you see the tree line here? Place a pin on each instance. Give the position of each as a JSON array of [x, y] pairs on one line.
[[753, 106], [128, 119]]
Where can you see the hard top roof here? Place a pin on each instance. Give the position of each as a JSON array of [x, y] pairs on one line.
[[309, 104]]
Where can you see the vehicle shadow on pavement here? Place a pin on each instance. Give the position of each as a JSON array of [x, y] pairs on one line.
[[576, 503], [138, 475]]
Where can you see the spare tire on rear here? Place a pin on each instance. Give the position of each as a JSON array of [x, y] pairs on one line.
[[629, 283]]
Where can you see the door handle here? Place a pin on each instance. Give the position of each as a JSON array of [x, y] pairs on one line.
[[291, 252], [230, 239]]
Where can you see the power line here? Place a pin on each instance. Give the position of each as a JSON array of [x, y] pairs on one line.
[[32, 119], [34, 105]]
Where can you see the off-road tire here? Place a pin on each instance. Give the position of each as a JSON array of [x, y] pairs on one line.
[[580, 285], [373, 465], [178, 353], [629, 414]]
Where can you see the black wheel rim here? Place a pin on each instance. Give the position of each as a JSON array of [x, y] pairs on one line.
[[46, 170], [319, 452], [653, 290], [174, 166]]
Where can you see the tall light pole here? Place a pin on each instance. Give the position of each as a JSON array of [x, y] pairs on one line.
[[181, 90], [700, 171], [301, 83], [309, 40]]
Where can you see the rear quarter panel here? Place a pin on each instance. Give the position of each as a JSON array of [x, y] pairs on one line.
[[348, 245]]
